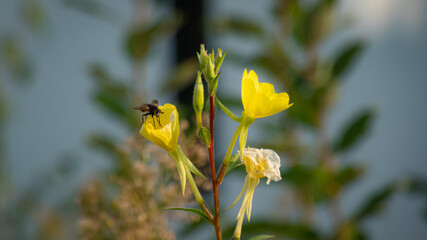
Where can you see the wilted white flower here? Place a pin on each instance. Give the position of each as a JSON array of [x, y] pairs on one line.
[[259, 163], [262, 163]]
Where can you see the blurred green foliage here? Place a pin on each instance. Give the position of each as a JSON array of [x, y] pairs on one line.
[[317, 173], [14, 59]]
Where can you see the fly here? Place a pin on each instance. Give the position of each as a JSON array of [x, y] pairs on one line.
[[150, 109]]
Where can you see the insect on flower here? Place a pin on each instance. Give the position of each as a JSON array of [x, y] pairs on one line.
[[150, 109]]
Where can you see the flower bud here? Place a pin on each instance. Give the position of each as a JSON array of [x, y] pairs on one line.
[[210, 70], [198, 99], [218, 60]]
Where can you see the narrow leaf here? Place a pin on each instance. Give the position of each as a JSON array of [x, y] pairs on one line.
[[354, 131], [238, 26], [229, 113], [192, 168], [187, 163], [213, 85], [192, 210], [233, 163], [346, 59], [375, 203], [261, 237], [283, 229], [116, 108], [349, 174]]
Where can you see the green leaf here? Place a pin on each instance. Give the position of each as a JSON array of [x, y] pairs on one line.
[[116, 108], [192, 210], [311, 23], [273, 59], [35, 15], [349, 230], [306, 110], [184, 159], [213, 85], [375, 203], [14, 57], [94, 9], [417, 185], [261, 237], [354, 131], [229, 113], [346, 59], [205, 135], [233, 163], [279, 228], [113, 96], [348, 174], [239, 26], [298, 175]]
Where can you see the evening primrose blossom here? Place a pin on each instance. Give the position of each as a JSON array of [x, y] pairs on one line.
[[165, 135], [259, 100], [259, 163]]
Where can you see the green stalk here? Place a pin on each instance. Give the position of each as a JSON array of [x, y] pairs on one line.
[[227, 157]]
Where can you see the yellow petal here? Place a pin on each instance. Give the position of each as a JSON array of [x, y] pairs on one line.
[[249, 88], [165, 134], [259, 99]]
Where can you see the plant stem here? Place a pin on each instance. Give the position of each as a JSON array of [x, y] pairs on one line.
[[197, 195], [215, 185], [227, 157]]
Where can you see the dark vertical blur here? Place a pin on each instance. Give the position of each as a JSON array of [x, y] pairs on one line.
[[188, 39]]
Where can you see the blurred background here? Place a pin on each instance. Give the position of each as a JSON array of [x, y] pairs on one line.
[[353, 146]]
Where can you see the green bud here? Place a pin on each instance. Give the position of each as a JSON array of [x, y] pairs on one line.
[[198, 99], [202, 62], [203, 50], [210, 65], [205, 135], [219, 59], [210, 70], [212, 56]]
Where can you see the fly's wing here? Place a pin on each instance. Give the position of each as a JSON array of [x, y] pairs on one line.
[[143, 108], [155, 102]]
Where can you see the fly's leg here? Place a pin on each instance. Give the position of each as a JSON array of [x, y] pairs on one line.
[[154, 121], [158, 120], [143, 118], [158, 117]]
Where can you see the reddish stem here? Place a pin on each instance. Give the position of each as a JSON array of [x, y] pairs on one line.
[[215, 184], [221, 173]]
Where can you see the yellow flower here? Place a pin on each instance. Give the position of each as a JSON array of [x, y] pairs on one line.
[[259, 99], [259, 163], [165, 134]]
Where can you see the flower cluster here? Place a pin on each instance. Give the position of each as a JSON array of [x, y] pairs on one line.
[[259, 100]]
